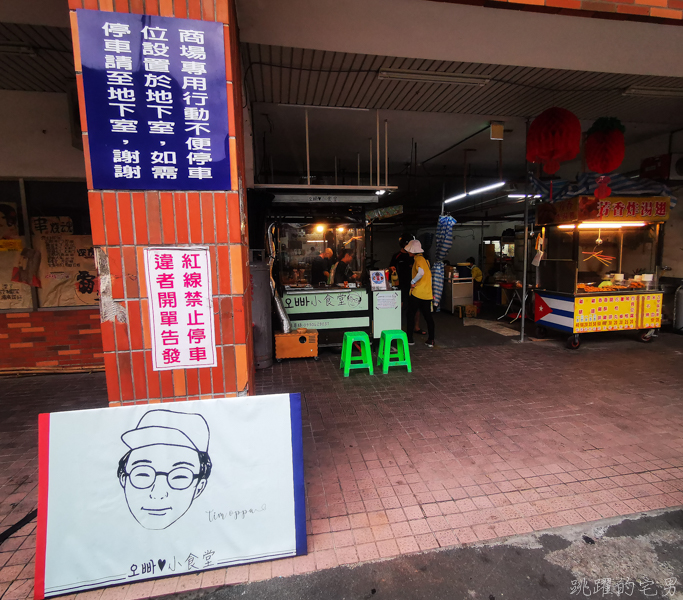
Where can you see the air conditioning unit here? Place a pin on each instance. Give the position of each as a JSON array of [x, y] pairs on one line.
[[676, 168]]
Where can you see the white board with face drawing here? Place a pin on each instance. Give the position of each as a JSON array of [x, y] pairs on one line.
[[135, 493]]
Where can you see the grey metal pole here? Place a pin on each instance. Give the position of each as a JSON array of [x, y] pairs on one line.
[[526, 264], [370, 161], [386, 153], [27, 235], [526, 243], [378, 152], [308, 154]]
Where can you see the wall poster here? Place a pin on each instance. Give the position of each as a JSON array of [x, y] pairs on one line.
[[180, 307], [67, 271], [13, 294], [167, 491]]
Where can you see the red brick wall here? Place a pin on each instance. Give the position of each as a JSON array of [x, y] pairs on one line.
[[124, 223], [655, 11], [51, 338]]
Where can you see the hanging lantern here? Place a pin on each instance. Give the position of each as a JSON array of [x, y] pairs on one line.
[[605, 148], [554, 136]]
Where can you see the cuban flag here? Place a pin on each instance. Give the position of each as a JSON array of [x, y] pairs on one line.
[[554, 312]]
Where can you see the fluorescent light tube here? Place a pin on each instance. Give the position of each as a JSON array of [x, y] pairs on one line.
[[16, 48], [454, 198], [432, 77], [654, 92], [488, 188], [601, 225]]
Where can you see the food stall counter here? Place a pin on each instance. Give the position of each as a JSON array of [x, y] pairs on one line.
[[600, 267], [330, 310]]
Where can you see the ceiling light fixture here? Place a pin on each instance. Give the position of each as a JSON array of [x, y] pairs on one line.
[[454, 198], [488, 188], [654, 92], [524, 196], [16, 48], [381, 192], [432, 77], [317, 106]]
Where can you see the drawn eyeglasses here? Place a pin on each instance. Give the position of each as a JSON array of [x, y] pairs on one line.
[[144, 476]]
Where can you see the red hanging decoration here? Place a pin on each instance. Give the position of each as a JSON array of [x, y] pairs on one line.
[[605, 145], [554, 136], [603, 190]]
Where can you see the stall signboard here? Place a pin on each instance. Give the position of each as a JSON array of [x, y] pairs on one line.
[[611, 209], [609, 312], [180, 307], [144, 492], [326, 302], [156, 101], [339, 323]]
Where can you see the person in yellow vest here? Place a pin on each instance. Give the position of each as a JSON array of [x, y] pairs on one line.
[[420, 298], [477, 277]]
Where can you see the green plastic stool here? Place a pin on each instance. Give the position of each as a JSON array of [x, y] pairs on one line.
[[386, 358], [364, 361]]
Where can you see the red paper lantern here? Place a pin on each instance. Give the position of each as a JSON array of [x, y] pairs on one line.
[[605, 148], [605, 145], [554, 136]]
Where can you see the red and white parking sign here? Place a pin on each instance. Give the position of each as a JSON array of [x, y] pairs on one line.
[[180, 309]]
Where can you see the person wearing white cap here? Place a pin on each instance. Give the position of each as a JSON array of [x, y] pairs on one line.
[[420, 292], [166, 467]]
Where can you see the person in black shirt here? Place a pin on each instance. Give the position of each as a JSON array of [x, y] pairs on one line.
[[402, 264], [342, 270], [320, 268]]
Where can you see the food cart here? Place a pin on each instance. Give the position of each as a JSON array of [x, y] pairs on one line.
[[328, 307], [600, 267]]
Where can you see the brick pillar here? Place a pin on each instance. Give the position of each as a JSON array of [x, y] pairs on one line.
[[124, 223]]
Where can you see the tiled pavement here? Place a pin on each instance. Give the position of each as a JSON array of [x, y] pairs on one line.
[[478, 443], [21, 400]]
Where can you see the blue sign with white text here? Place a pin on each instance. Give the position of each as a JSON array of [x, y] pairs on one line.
[[156, 102]]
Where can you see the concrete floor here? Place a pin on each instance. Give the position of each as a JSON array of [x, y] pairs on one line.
[[481, 442], [641, 558]]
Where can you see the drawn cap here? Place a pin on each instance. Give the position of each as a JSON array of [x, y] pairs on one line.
[[188, 430]]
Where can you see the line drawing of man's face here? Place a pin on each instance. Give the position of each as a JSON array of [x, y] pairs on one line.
[[166, 468]]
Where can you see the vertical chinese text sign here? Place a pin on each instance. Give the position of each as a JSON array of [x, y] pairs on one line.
[[180, 307], [156, 101]]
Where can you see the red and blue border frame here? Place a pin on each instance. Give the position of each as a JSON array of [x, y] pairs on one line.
[[299, 487], [298, 470]]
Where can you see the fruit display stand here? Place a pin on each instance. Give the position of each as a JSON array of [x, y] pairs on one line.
[[601, 266]]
